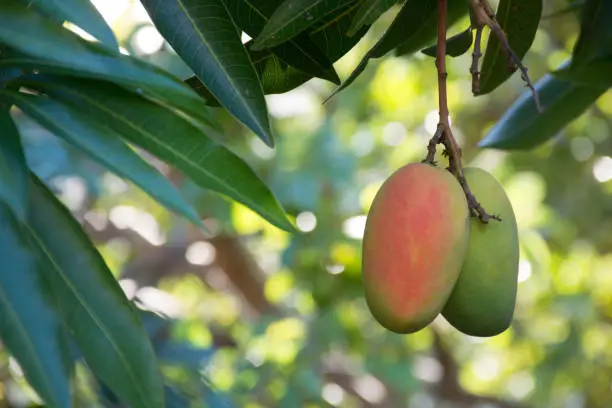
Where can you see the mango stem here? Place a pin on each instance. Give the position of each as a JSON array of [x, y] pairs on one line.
[[444, 133]]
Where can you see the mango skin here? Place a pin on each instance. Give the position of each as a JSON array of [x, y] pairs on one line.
[[414, 244], [483, 301]]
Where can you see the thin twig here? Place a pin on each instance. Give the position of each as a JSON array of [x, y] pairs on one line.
[[485, 16], [433, 142], [452, 148], [476, 55]]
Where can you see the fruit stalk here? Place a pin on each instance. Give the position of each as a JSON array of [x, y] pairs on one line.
[[448, 140]]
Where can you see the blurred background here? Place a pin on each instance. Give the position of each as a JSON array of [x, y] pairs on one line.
[[250, 316]]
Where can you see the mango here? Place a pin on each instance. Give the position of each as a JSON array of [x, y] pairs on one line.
[[483, 300], [414, 244]]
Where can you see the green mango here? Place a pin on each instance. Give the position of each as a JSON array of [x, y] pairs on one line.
[[483, 300]]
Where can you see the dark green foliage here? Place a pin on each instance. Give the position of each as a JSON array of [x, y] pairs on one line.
[[102, 111], [456, 45], [412, 29]]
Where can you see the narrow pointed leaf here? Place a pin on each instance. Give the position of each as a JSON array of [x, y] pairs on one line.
[[204, 35], [426, 31], [293, 17], [274, 75], [330, 34], [595, 73], [456, 45], [369, 12], [122, 74], [170, 138], [81, 13], [103, 145], [523, 127], [413, 28], [519, 19], [101, 319], [299, 52], [595, 39], [48, 46], [302, 54], [13, 168], [29, 327]]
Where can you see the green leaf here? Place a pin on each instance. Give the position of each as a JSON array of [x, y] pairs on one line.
[[425, 32], [29, 328], [330, 34], [204, 35], [412, 29], [293, 17], [275, 76], [519, 19], [58, 50], [170, 138], [368, 13], [523, 127], [299, 52], [90, 300], [595, 73], [103, 145], [595, 39], [13, 167], [81, 13], [456, 45], [124, 71]]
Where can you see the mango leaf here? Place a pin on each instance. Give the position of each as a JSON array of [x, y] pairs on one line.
[[170, 138], [330, 34], [412, 29], [29, 328], [595, 39], [368, 13], [275, 76], [91, 302], [184, 354], [596, 73], [103, 145], [81, 13], [299, 52], [456, 45], [427, 30], [523, 127], [49, 47], [293, 17], [13, 167], [519, 19], [204, 35]]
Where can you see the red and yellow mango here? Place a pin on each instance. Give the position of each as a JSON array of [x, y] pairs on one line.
[[414, 246]]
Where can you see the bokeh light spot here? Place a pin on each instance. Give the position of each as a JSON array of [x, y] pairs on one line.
[[602, 169], [306, 221]]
